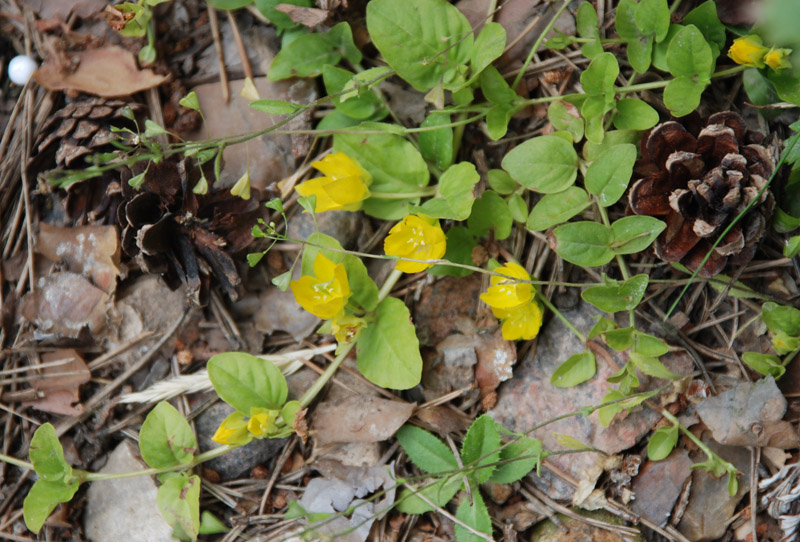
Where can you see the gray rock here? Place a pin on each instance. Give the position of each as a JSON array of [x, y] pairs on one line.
[[280, 311], [344, 226], [529, 399], [125, 509], [658, 486], [238, 461]]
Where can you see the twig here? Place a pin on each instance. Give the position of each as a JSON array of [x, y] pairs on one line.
[[240, 48], [223, 76]]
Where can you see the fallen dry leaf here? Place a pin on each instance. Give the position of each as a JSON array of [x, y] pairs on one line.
[[309, 17], [91, 251], [108, 71], [496, 357], [65, 303], [59, 384], [358, 418], [749, 414]]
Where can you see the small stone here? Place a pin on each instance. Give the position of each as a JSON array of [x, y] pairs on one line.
[[125, 509], [658, 486], [576, 530], [344, 226], [498, 493], [238, 461]]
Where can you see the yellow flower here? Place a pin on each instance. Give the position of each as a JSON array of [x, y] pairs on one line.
[[344, 186], [418, 238], [346, 327], [520, 323], [778, 58], [748, 51], [327, 293], [232, 431], [506, 293], [262, 422]]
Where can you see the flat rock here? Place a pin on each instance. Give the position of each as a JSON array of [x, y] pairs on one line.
[[238, 461], [529, 399], [710, 506], [270, 158], [125, 509], [577, 530], [344, 226], [658, 486], [442, 304], [280, 311]]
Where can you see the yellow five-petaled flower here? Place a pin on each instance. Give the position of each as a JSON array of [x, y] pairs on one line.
[[512, 301], [325, 294], [418, 238], [344, 187], [748, 51]]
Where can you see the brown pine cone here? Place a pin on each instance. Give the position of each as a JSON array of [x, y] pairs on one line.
[[698, 177]]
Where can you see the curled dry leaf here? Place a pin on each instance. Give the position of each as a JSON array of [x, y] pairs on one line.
[[63, 304], [91, 251], [108, 71], [309, 17], [359, 418], [59, 384]]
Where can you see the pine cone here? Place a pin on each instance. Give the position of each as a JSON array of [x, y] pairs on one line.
[[697, 177], [81, 128]]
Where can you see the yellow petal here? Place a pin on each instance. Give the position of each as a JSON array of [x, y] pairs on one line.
[[232, 431], [242, 186], [748, 50], [316, 187]]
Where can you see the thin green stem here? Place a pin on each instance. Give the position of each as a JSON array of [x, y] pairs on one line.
[[789, 357], [458, 133], [17, 462], [538, 42], [323, 379], [430, 191], [623, 267], [201, 458], [557, 313], [674, 7]]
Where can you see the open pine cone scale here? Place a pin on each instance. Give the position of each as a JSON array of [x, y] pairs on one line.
[[698, 177]]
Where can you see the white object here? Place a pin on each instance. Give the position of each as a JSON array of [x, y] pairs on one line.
[[21, 68]]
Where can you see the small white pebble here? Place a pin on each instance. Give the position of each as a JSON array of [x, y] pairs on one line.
[[21, 68]]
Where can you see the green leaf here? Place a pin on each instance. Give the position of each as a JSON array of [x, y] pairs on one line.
[[476, 515], [396, 167], [787, 85], [388, 349], [640, 46], [554, 209], [619, 296], [439, 492], [501, 182], [489, 45], [228, 5], [496, 89], [43, 498], [634, 114], [620, 339], [662, 442], [545, 164], [425, 450], [518, 208], [47, 455], [460, 244], [316, 243], [584, 243], [278, 18], [425, 41], [705, 18], [682, 94], [211, 524], [598, 79], [652, 18], [652, 366], [497, 119], [152, 129], [648, 345], [490, 212], [437, 145], [275, 107], [605, 415], [455, 193], [689, 54], [565, 116], [179, 502], [364, 105], [166, 438], [602, 326], [309, 53], [526, 454], [633, 234], [784, 222], [147, 55], [363, 288], [660, 49], [781, 318], [245, 381], [576, 370], [792, 247], [481, 447], [784, 343], [609, 175], [587, 25], [570, 442], [765, 364]]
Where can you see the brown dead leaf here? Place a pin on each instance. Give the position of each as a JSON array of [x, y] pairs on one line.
[[358, 418], [108, 71], [91, 251], [309, 17], [59, 384], [63, 304], [496, 357], [442, 420]]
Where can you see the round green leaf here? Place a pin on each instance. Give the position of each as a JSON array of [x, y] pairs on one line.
[[765, 364], [245, 381], [388, 349], [500, 181], [179, 503], [634, 114], [490, 212], [623, 296], [689, 54], [584, 243], [652, 366], [554, 209], [577, 369], [662, 442], [455, 193], [47, 455], [633, 234], [460, 243], [166, 438], [525, 453], [42, 499], [437, 145], [565, 116], [781, 318], [609, 175], [546, 164]]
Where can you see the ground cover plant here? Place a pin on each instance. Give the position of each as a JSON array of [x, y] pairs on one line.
[[571, 264]]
